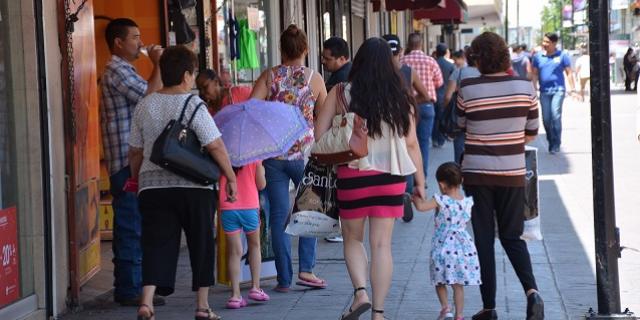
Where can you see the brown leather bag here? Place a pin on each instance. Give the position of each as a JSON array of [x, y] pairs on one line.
[[347, 138]]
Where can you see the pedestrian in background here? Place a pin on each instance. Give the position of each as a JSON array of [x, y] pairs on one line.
[[169, 203], [335, 59], [372, 188], [549, 70], [459, 59], [431, 77], [240, 216], [412, 83], [583, 70], [293, 83], [450, 99], [500, 114], [629, 62], [453, 260], [520, 61], [121, 88], [446, 68]]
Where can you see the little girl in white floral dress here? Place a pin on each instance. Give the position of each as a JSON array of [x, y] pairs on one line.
[[453, 259]]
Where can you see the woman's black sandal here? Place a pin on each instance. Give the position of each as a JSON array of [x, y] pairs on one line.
[[355, 314], [377, 311], [210, 315]]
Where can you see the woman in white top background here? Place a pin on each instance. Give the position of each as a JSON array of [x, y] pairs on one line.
[[583, 70], [373, 187]]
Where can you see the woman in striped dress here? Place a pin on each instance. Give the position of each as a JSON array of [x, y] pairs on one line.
[[372, 188]]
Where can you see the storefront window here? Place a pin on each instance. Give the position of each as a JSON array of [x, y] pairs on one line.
[[244, 25], [16, 225]]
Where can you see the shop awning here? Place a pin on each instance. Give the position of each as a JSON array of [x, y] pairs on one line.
[[400, 5], [452, 12]]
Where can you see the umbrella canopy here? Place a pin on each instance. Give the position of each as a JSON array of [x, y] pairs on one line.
[[256, 130]]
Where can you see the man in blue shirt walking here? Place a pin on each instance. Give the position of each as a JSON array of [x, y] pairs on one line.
[[549, 69]]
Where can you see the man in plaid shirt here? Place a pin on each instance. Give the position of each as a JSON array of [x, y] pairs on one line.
[[429, 73], [121, 89]]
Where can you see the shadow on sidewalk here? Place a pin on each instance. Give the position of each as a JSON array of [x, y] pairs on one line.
[[571, 270], [554, 164]]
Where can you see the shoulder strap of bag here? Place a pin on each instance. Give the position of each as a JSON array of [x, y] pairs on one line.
[[193, 115], [184, 108], [459, 78], [342, 100], [269, 83]]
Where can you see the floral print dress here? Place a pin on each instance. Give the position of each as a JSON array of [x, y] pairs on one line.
[[290, 84], [454, 258]]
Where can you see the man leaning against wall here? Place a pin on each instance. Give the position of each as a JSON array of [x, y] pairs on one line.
[[121, 89]]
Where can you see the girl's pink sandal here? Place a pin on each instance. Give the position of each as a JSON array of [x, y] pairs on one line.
[[258, 295], [445, 314], [236, 303]]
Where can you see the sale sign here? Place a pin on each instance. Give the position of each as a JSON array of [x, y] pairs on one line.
[[9, 268]]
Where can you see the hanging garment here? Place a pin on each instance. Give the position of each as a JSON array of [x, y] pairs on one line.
[[249, 57], [233, 37]]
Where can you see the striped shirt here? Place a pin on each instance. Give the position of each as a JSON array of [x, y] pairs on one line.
[[496, 113], [427, 69]]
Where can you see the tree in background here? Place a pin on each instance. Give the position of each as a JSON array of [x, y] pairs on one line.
[[552, 21]]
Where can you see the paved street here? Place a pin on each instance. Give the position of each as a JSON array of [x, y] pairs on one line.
[[563, 262]]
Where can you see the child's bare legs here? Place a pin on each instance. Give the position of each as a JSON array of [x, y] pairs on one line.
[[234, 254], [458, 298], [255, 257], [441, 290]]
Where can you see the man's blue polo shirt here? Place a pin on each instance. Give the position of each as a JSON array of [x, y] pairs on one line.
[[551, 70]]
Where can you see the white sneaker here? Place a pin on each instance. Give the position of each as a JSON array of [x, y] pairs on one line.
[[334, 239]]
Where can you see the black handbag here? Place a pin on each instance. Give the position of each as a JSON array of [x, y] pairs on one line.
[[448, 122], [178, 150]]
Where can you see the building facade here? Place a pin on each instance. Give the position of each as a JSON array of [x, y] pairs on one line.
[[54, 214]]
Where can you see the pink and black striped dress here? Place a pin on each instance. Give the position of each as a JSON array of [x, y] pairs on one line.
[[374, 185], [369, 194]]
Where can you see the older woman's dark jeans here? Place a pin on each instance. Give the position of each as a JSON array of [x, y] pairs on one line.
[[507, 204]]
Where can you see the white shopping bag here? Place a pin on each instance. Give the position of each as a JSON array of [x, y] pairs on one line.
[[532, 200], [315, 208]]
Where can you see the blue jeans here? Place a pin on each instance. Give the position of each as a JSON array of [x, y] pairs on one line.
[[127, 253], [551, 103], [436, 135], [458, 148], [424, 130], [278, 174]]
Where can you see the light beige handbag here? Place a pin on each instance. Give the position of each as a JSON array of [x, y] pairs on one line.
[[346, 140]]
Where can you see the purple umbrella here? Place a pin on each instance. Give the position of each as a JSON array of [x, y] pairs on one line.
[[256, 130]]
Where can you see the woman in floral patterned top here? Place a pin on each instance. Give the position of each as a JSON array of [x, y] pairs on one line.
[[293, 83]]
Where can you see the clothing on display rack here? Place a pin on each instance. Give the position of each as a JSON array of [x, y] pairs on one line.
[[247, 45], [234, 53]]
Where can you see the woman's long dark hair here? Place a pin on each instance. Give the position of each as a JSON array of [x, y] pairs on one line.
[[377, 93]]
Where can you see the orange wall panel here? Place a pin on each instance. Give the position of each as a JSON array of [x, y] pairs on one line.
[[146, 13]]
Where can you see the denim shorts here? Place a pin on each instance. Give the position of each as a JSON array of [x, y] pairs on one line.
[[234, 221]]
